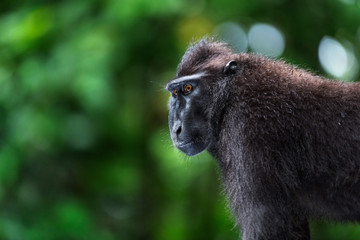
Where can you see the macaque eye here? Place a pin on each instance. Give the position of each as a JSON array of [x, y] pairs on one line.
[[175, 92], [188, 88]]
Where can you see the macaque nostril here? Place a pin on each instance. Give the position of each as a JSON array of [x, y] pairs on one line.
[[178, 131]]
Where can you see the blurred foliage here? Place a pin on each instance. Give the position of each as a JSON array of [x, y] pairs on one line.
[[85, 150]]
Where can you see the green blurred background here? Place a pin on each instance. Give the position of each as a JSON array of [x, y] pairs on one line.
[[85, 149]]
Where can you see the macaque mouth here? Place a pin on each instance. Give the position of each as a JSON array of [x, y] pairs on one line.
[[184, 145]]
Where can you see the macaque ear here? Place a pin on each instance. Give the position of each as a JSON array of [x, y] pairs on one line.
[[231, 67]]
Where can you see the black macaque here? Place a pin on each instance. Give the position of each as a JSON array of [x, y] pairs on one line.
[[287, 142]]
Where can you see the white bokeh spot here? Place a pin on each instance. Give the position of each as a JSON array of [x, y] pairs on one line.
[[333, 57], [233, 34], [266, 39]]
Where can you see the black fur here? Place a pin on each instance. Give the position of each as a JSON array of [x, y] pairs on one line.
[[287, 142]]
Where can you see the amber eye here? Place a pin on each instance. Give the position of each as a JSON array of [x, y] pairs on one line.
[[187, 88], [175, 92]]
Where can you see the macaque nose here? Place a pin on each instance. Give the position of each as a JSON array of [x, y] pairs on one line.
[[178, 131]]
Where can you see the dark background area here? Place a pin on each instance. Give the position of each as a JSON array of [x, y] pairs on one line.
[[85, 149]]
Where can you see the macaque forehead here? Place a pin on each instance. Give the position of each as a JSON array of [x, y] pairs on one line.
[[205, 55]]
